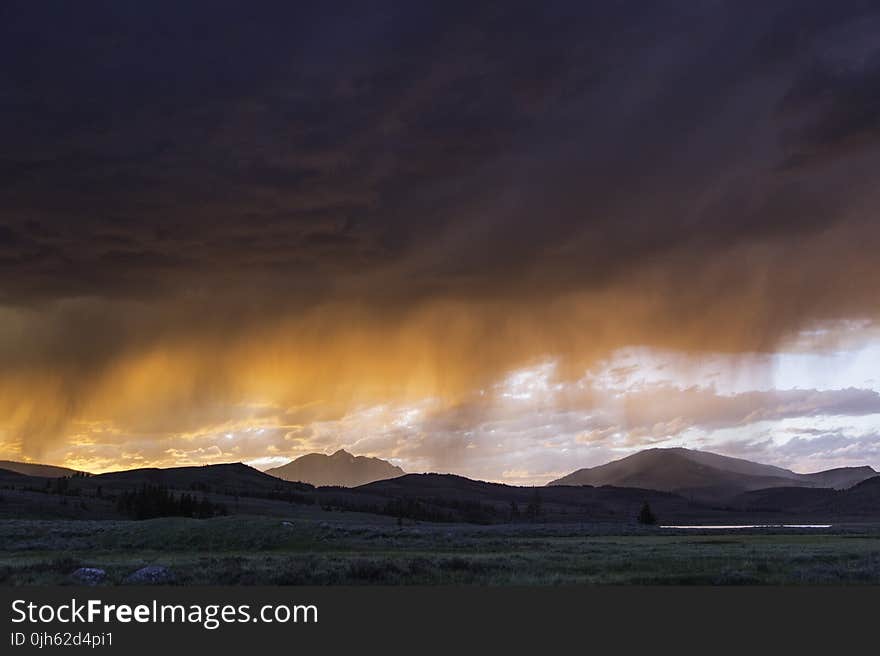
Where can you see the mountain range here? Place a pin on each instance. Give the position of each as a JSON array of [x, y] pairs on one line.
[[706, 476], [340, 468], [681, 485]]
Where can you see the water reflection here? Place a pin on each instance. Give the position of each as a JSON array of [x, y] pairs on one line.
[[732, 526]]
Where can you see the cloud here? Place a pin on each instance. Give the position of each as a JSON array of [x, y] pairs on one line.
[[529, 426], [704, 408], [812, 452], [337, 208], [835, 102]]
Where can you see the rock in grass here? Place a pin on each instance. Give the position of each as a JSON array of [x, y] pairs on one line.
[[89, 575], [150, 575]]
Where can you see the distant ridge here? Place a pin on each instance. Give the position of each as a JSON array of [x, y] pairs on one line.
[[34, 469], [707, 476], [841, 478], [860, 499], [231, 477], [449, 498], [341, 468]]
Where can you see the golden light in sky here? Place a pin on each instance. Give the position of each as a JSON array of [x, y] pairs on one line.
[[327, 244]]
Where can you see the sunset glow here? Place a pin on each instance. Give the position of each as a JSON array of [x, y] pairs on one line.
[[506, 257]]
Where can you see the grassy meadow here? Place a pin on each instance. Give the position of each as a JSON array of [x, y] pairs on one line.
[[347, 550]]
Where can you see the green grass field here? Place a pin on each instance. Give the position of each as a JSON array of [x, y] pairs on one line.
[[270, 551]]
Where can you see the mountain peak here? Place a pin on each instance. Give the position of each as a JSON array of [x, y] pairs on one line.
[[341, 468], [704, 474]]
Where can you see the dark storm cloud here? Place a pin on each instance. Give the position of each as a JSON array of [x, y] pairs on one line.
[[835, 102], [293, 201], [153, 143]]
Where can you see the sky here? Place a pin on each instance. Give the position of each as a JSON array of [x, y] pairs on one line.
[[506, 240]]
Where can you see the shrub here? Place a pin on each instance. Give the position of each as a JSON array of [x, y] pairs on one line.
[[646, 516]]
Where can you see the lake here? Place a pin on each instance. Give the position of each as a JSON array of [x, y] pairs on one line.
[[733, 526]]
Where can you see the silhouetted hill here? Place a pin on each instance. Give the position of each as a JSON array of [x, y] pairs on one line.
[[705, 476], [447, 497], [237, 488], [453, 487], [33, 469], [784, 499], [450, 485], [230, 478], [861, 500], [840, 478], [232, 487], [9, 477], [341, 468]]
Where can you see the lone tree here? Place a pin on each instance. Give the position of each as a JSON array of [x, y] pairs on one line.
[[534, 510], [646, 516]]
